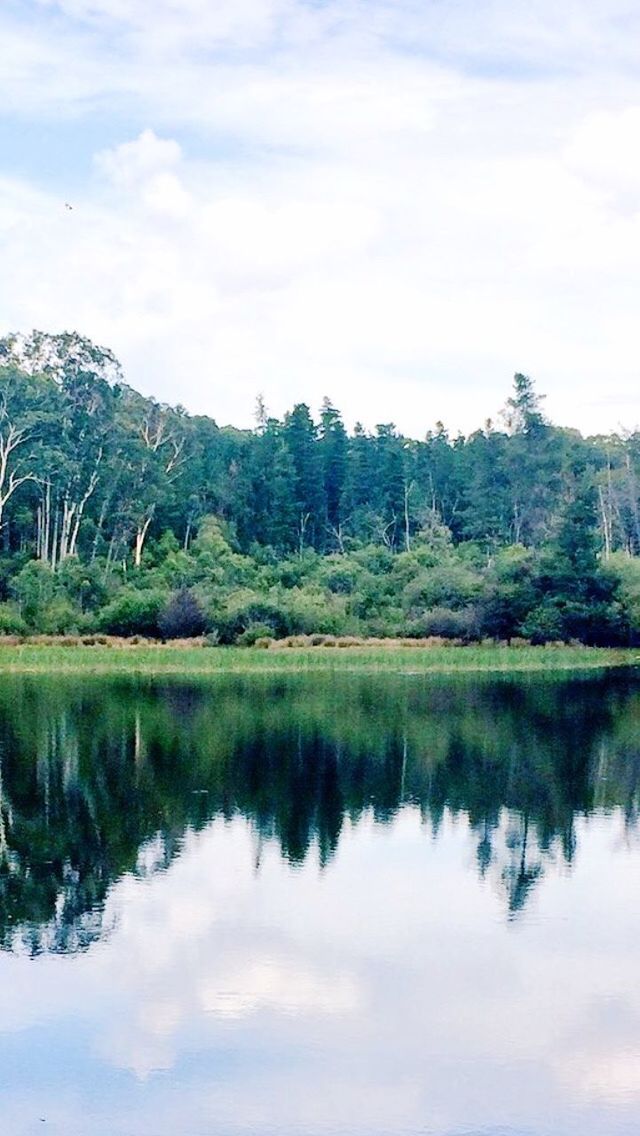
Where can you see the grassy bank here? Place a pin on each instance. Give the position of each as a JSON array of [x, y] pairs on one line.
[[186, 660]]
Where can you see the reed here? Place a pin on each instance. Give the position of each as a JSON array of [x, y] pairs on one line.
[[91, 656]]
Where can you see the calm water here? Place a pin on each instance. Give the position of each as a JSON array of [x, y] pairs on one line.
[[327, 906]]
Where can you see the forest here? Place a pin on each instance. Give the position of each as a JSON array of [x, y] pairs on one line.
[[120, 515]]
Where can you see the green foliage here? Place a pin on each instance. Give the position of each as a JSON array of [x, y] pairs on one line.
[[446, 623], [11, 622], [33, 588], [625, 571], [133, 612], [545, 623], [254, 633], [509, 593], [83, 584], [449, 584], [112, 503], [60, 617], [244, 609]]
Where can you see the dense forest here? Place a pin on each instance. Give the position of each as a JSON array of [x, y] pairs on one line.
[[124, 516]]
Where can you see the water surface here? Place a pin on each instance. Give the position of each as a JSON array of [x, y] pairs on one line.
[[325, 905]]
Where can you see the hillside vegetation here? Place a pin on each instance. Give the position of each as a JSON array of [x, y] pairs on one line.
[[122, 516]]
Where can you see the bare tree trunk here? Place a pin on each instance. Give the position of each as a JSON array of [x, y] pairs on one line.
[[54, 542], [304, 520], [68, 513], [141, 533], [605, 514], [11, 438], [407, 491], [633, 501], [46, 533], [99, 527], [517, 522], [93, 481], [338, 533], [111, 552]]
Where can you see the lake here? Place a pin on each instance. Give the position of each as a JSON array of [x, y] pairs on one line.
[[320, 906]]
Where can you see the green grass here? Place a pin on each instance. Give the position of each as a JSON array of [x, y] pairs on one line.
[[160, 660]]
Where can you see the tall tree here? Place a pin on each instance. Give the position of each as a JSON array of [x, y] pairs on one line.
[[333, 453], [300, 436]]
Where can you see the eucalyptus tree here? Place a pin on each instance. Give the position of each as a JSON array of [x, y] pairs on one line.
[[152, 458], [20, 421], [72, 404]]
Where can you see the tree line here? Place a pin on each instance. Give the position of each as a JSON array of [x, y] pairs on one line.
[[122, 514]]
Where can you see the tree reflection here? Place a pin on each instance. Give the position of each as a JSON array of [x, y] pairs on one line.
[[101, 778]]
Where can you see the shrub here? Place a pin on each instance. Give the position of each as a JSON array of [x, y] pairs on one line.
[[444, 623], [183, 617], [254, 633], [544, 624], [34, 588], [59, 617], [245, 609], [11, 622], [82, 584], [133, 613], [450, 585]]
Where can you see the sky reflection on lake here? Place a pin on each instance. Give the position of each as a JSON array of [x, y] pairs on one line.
[[387, 988]]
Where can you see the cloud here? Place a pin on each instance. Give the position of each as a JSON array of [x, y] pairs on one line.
[[398, 205], [605, 150], [132, 162], [292, 997]]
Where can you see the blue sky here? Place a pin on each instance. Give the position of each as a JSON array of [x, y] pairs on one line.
[[397, 204]]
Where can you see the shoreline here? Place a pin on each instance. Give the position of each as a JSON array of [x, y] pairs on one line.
[[163, 659]]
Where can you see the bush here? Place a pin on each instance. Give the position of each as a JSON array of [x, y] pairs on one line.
[[243, 610], [450, 585], [444, 623], [183, 617], [255, 633], [34, 588], [133, 613], [11, 622], [545, 624], [82, 584], [59, 617]]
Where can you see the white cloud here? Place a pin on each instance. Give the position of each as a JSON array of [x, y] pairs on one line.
[[605, 150], [132, 162], [298, 999], [365, 202]]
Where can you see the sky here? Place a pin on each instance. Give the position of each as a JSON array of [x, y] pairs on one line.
[[289, 1000], [396, 204]]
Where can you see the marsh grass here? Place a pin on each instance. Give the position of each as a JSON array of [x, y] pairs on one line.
[[97, 656]]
